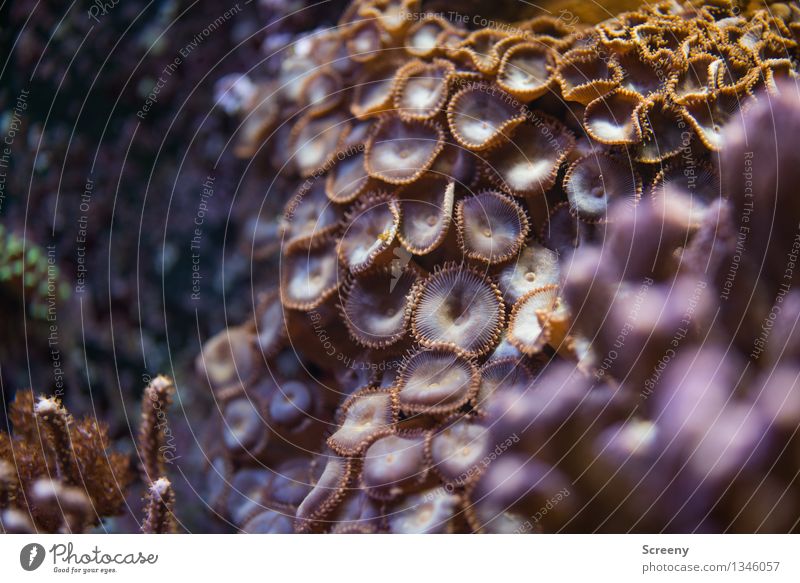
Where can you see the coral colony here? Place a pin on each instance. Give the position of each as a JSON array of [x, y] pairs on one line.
[[530, 275], [514, 291], [60, 475]]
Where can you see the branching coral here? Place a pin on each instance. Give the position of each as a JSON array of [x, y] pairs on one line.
[[58, 474], [454, 349]]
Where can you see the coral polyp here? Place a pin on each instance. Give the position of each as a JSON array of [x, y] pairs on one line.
[[478, 119], [377, 307], [491, 227], [593, 181], [527, 165], [427, 210], [391, 464], [398, 151], [422, 88], [370, 230], [458, 308], [366, 415], [435, 382]]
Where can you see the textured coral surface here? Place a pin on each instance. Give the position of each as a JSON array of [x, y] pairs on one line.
[[415, 267]]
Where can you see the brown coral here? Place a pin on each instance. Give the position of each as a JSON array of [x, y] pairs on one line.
[[491, 226], [593, 182], [370, 229], [525, 71], [427, 211], [479, 119], [57, 474], [421, 89], [457, 450], [309, 274], [399, 152], [458, 308], [528, 163], [436, 382], [366, 415], [392, 464], [536, 266], [528, 326], [613, 119], [377, 306], [585, 76]]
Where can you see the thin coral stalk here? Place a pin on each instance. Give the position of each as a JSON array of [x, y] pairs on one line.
[[55, 420], [154, 425], [160, 517]]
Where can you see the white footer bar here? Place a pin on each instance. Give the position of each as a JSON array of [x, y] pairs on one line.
[[400, 559]]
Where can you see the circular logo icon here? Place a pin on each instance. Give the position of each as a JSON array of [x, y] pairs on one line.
[[31, 556]]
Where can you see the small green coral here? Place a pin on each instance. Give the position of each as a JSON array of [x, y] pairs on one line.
[[29, 272]]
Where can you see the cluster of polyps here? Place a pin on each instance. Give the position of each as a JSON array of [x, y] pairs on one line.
[[443, 175]]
